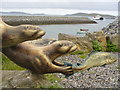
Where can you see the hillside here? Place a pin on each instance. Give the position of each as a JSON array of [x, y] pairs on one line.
[[19, 14], [91, 14]]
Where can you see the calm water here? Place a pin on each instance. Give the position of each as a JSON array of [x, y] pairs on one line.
[[52, 31]]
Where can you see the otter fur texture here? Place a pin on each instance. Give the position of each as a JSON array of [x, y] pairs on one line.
[[41, 60], [13, 35]]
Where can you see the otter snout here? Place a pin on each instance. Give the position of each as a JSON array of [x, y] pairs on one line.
[[42, 33], [73, 48]]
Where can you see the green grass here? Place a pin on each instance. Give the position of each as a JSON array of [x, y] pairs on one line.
[[51, 86], [92, 72], [96, 46], [55, 86], [112, 47], [82, 56], [7, 64], [118, 67], [52, 79]]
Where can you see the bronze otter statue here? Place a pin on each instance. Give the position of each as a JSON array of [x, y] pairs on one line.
[[13, 35], [41, 60]]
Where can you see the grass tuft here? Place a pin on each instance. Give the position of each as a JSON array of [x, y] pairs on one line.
[[7, 64], [82, 56]]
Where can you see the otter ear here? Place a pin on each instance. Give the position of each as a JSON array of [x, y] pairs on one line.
[[52, 41]]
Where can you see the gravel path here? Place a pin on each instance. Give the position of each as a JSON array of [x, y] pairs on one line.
[[96, 77]]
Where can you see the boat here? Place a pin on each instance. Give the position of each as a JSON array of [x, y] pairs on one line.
[[83, 29], [80, 32], [98, 17]]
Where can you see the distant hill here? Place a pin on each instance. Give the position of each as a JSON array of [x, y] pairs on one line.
[[19, 14], [91, 14]]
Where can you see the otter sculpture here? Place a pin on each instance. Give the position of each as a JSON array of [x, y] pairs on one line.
[[93, 60], [13, 35], [41, 60]]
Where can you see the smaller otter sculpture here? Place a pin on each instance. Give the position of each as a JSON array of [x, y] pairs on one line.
[[13, 35], [96, 59], [41, 60]]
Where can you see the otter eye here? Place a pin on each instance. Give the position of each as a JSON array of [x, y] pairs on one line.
[[60, 44], [52, 41]]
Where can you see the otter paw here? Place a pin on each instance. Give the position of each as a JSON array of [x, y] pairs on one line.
[[67, 64], [68, 70]]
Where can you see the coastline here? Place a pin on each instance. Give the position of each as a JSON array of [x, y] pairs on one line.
[[46, 20]]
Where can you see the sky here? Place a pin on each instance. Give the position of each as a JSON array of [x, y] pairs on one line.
[[59, 6], [59, 0]]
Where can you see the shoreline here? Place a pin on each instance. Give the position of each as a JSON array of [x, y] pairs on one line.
[[45, 20]]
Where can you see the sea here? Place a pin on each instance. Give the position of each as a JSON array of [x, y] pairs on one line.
[[52, 31]]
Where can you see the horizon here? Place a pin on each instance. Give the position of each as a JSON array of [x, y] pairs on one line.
[[61, 11], [61, 8]]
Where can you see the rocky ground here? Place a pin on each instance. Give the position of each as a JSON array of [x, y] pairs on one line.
[[112, 28], [96, 77], [22, 79]]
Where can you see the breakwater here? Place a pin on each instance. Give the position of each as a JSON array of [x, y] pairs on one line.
[[45, 20]]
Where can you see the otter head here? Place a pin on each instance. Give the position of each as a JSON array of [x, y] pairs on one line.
[[30, 31], [16, 34], [59, 48]]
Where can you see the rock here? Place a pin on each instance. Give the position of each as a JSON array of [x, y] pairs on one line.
[[112, 28], [22, 79], [100, 37], [114, 39], [111, 31], [83, 43]]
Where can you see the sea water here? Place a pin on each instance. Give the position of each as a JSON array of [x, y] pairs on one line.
[[52, 31]]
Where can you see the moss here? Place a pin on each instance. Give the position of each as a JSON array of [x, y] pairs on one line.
[[7, 64]]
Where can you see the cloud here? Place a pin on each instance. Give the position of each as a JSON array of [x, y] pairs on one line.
[[59, 1]]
